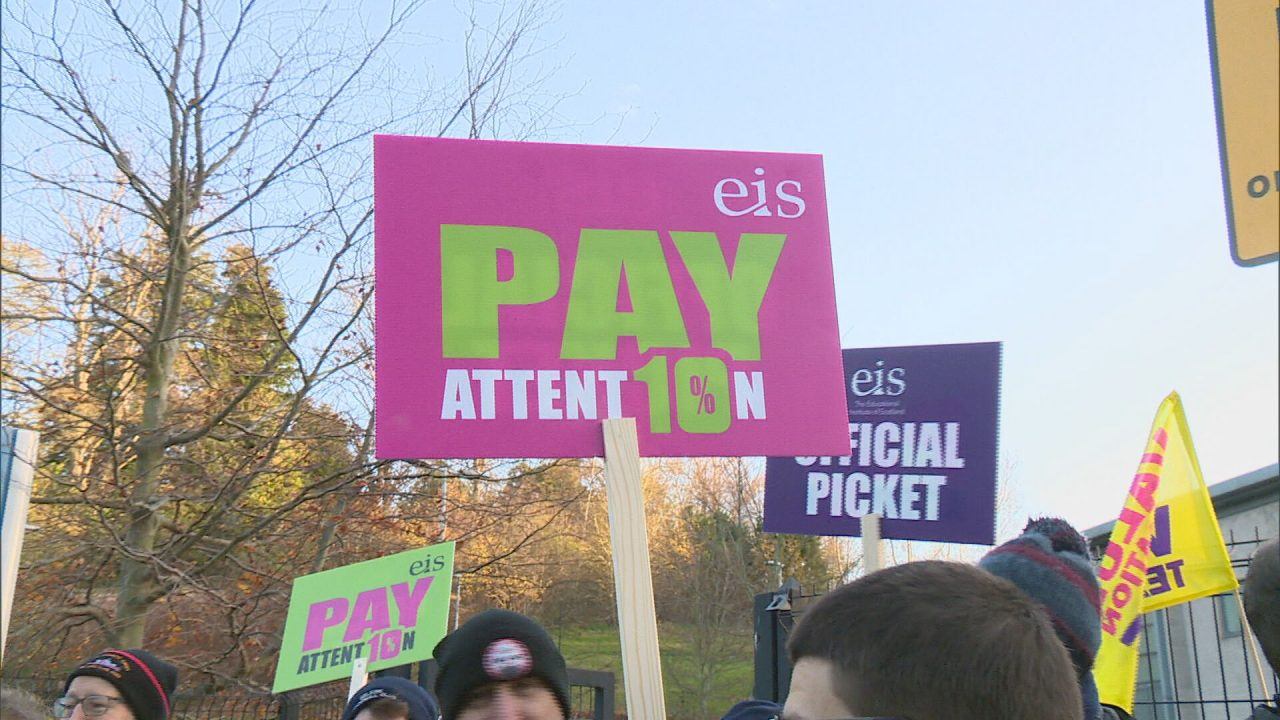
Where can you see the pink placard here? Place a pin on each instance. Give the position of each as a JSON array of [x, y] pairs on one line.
[[527, 291]]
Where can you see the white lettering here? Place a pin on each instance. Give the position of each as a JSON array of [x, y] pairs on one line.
[[741, 192], [487, 378], [548, 393], [580, 394], [612, 380], [458, 403], [929, 449], [519, 392], [953, 446], [886, 433], [933, 482], [819, 487], [748, 394]]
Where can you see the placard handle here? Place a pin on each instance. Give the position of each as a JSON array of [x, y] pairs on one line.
[[632, 574]]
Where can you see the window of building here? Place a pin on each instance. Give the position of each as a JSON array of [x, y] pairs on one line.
[[1229, 624], [1154, 694]]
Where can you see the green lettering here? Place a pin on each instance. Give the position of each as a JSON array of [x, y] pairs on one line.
[[732, 299], [471, 291], [594, 323], [654, 377]]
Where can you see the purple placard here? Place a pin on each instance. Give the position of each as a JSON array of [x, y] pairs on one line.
[[923, 426]]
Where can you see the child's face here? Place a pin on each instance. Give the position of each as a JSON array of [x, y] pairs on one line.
[[813, 695]]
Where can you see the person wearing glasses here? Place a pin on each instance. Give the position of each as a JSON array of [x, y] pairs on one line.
[[118, 685]]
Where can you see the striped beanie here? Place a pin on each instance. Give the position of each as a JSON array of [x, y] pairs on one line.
[[1050, 562], [145, 681]]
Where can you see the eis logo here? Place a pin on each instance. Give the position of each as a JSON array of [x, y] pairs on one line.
[[733, 198], [879, 381]]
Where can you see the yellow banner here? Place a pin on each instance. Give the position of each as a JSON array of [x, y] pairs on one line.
[[1189, 558], [1165, 549], [1122, 572]]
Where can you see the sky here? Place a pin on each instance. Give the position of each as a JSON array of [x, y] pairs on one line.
[[1042, 174], [1038, 173]]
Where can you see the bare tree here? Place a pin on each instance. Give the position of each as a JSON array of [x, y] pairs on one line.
[[188, 208]]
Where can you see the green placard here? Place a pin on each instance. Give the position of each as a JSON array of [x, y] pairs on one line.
[[392, 611]]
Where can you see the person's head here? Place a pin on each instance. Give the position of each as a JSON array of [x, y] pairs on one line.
[[1050, 562], [391, 698], [927, 641], [501, 665], [18, 704], [119, 685], [1262, 599]]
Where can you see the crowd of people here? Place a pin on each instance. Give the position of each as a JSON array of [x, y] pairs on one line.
[[1011, 638]]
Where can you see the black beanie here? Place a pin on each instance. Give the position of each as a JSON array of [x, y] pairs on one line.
[[421, 705], [496, 646], [145, 681]]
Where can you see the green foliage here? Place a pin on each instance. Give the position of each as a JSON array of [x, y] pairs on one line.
[[599, 648]]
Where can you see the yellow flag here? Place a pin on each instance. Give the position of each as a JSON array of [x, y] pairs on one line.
[[1165, 549], [1189, 558]]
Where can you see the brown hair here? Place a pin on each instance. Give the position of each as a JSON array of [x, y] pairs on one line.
[[387, 709], [933, 639]]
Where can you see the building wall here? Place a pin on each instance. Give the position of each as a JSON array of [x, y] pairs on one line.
[[1199, 653], [1195, 662]]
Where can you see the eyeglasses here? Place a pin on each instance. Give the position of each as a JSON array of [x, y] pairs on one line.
[[91, 705]]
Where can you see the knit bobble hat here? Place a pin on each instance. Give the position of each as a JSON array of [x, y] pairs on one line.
[[1050, 562], [145, 681], [497, 646], [421, 705]]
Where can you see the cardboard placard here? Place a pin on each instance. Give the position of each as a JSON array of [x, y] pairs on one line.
[[921, 450], [528, 291], [389, 611]]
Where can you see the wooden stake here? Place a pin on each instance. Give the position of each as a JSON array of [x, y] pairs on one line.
[[632, 575], [1253, 644], [871, 559], [358, 676]]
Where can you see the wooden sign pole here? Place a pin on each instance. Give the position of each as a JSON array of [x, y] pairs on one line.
[[871, 559], [632, 574], [1248, 633], [359, 676]]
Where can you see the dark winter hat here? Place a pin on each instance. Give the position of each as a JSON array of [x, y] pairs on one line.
[[1050, 562], [421, 705], [1262, 600], [754, 710], [145, 681], [496, 646]]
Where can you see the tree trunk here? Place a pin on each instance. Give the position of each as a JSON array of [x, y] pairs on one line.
[[139, 584]]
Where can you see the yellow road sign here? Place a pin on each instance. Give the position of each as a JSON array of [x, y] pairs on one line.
[[1244, 43]]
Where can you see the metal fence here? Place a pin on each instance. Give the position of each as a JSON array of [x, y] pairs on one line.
[[1195, 663], [323, 702], [591, 694]]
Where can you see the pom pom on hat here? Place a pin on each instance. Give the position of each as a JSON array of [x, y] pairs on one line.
[[1050, 562]]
